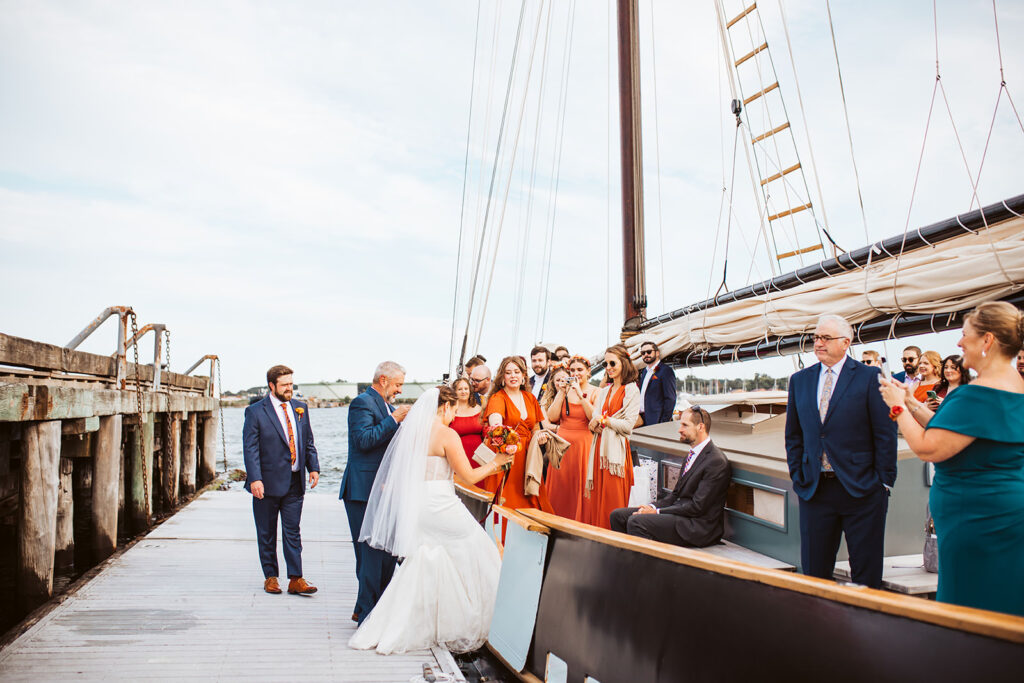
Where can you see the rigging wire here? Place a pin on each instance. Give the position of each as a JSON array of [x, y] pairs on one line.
[[556, 176], [608, 173], [465, 177], [657, 157], [508, 184], [846, 118], [494, 173]]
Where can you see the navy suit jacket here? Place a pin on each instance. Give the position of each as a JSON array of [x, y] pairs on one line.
[[698, 499], [857, 434], [370, 428], [660, 399], [265, 447]]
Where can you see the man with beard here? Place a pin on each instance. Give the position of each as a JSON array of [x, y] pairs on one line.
[[540, 359], [911, 357], [277, 446], [694, 513]]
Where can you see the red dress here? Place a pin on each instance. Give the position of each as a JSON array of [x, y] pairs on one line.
[[565, 484], [470, 429], [513, 493], [610, 491]]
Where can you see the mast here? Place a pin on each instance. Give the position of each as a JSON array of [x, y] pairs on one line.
[[631, 156]]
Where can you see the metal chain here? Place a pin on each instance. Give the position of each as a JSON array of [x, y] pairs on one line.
[[220, 408], [167, 348], [138, 430]]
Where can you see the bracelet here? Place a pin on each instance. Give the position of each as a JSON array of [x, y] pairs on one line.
[[895, 412]]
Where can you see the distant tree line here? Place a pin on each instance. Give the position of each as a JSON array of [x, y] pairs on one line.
[[720, 385]]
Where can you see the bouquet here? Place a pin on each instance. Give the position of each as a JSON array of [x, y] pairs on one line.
[[502, 438]]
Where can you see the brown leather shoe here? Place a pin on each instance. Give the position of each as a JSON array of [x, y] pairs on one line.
[[271, 585], [298, 586], [355, 617]]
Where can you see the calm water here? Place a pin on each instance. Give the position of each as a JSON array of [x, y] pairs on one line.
[[330, 431]]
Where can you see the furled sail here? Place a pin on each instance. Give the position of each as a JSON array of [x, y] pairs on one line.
[[982, 260]]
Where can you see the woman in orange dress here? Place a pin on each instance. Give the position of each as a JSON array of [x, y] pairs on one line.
[[570, 408], [610, 463], [519, 410], [930, 368]]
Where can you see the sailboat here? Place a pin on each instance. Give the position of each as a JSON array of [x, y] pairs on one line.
[[577, 603]]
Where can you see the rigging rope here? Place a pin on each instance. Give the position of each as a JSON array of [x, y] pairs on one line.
[[608, 173], [465, 177], [549, 242], [846, 118], [494, 172]]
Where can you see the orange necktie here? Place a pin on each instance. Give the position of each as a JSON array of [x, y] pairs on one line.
[[291, 434]]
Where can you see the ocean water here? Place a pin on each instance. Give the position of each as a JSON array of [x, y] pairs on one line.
[[330, 432]]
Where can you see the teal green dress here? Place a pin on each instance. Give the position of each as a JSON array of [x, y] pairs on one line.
[[977, 501]]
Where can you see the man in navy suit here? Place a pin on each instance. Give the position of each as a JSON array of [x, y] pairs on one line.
[[841, 450], [277, 444], [657, 386], [372, 422]]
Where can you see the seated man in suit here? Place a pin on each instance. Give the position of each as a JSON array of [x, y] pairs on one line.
[[694, 513]]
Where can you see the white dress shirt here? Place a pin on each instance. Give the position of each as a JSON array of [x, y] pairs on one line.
[[284, 417], [538, 384], [696, 450], [647, 381], [836, 369]]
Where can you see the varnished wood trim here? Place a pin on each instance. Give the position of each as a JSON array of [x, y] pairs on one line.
[[780, 174], [981, 622], [789, 212], [474, 492], [741, 15], [762, 93], [773, 131], [525, 522], [762, 46], [521, 675], [805, 250]]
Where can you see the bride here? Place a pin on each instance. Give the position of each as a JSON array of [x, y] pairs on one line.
[[443, 593]]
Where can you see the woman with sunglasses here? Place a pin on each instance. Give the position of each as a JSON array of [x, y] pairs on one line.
[[570, 408], [610, 464]]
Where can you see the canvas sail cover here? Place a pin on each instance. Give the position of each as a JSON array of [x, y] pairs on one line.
[[962, 272]]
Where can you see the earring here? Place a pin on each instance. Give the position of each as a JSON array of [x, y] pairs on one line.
[[983, 354]]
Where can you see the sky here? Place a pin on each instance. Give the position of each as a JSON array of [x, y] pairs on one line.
[[287, 183]]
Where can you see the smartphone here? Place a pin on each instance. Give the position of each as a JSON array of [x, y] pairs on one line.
[[933, 396], [885, 371]]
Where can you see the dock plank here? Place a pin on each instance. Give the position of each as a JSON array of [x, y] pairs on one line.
[[187, 602]]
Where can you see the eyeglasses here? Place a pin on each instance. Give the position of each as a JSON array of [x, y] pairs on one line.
[[824, 338]]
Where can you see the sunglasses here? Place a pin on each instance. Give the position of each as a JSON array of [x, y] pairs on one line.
[[647, 352], [697, 413], [908, 360]]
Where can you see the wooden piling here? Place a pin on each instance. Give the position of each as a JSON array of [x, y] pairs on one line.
[[106, 477], [140, 495], [208, 465], [64, 541], [40, 480], [188, 455], [171, 471]]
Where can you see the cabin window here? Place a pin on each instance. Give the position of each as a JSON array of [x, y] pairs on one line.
[[556, 670], [762, 503]]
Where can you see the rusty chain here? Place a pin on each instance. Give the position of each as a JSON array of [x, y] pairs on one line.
[[167, 348], [220, 408], [138, 430]]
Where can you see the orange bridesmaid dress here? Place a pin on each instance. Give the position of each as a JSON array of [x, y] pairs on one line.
[[610, 491], [513, 493], [565, 484]]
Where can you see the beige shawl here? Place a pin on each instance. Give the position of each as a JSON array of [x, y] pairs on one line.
[[618, 427], [553, 450]]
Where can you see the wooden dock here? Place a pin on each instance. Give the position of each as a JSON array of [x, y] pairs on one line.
[[187, 603]]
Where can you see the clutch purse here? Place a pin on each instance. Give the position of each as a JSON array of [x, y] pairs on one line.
[[483, 455]]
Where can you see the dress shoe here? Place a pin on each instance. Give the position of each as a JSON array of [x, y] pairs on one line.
[[355, 617], [298, 586], [271, 586]]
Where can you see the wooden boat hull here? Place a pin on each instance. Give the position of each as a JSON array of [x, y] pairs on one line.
[[616, 608]]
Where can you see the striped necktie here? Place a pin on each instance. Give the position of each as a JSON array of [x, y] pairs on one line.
[[291, 434], [689, 461], [826, 396]]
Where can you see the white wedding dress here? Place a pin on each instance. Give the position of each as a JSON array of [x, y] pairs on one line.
[[444, 592]]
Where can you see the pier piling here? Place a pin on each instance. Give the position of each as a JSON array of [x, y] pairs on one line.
[[105, 480], [188, 455], [140, 496], [40, 480]]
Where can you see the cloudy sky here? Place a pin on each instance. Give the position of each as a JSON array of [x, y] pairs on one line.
[[284, 182]]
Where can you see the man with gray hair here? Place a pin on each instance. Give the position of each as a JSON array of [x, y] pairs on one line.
[[841, 451], [372, 422]]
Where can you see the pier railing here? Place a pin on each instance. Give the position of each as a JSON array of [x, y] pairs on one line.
[[92, 447]]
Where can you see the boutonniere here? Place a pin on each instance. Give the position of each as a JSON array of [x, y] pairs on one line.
[[298, 412], [654, 376], [543, 387]]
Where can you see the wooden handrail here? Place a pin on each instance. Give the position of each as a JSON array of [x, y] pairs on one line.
[[983, 622], [474, 492], [522, 520]]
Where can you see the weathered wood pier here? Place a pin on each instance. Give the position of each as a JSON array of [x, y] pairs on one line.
[[187, 603], [92, 449]]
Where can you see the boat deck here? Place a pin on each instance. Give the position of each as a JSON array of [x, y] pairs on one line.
[[187, 602], [900, 574]]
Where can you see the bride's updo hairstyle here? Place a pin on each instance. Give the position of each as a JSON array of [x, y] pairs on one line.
[[446, 396], [1004, 321]]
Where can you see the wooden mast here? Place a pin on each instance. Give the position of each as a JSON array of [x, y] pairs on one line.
[[631, 155]]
